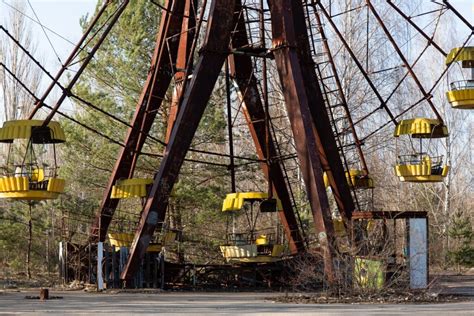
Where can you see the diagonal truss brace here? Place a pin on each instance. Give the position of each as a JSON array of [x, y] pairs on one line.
[[196, 95], [325, 141], [156, 85]]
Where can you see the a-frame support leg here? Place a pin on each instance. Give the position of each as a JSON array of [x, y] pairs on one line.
[[325, 140], [298, 108], [195, 99], [252, 107], [156, 85]]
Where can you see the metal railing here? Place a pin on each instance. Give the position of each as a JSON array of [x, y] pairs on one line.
[[419, 159], [462, 85]]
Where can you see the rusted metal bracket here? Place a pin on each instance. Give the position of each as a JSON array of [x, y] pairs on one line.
[[196, 96]]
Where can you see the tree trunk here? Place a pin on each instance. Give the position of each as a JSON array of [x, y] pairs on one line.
[[30, 238], [447, 200]]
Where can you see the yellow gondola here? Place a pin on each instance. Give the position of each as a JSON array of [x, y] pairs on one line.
[[419, 165], [251, 247], [134, 188], [235, 201], [355, 179], [28, 173], [119, 240], [461, 95], [130, 188]]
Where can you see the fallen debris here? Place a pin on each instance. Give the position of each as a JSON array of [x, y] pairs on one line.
[[32, 297]]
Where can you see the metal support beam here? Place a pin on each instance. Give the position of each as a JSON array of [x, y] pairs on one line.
[[156, 85], [196, 96], [404, 59], [298, 107], [383, 104], [252, 107], [185, 41]]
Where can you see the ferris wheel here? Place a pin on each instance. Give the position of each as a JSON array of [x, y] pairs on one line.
[[315, 83]]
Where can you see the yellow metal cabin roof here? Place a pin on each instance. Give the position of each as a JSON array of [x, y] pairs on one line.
[[466, 54], [421, 128], [235, 201], [21, 129], [354, 178], [130, 188]]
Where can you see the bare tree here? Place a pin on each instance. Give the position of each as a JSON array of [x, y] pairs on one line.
[[16, 102]]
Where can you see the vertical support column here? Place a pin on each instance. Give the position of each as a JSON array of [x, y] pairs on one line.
[[100, 257], [298, 108], [115, 269], [62, 263], [108, 265], [195, 99], [418, 252], [122, 258]]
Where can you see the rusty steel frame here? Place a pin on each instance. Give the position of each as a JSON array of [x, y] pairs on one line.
[[413, 24], [295, 88], [242, 73], [357, 141], [383, 104], [195, 98], [325, 140], [315, 142], [185, 41], [404, 60], [156, 85]]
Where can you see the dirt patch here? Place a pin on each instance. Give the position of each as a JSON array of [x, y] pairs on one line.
[[387, 297], [19, 281]]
